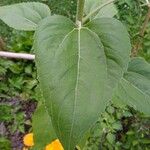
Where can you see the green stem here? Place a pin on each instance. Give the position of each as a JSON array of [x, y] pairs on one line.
[[97, 10], [80, 11]]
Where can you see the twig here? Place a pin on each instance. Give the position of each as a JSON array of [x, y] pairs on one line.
[[141, 34], [17, 55], [97, 10]]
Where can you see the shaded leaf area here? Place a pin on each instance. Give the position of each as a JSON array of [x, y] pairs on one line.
[[15, 121]]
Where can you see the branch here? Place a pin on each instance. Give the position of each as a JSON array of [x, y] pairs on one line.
[[17, 55], [141, 34], [97, 10]]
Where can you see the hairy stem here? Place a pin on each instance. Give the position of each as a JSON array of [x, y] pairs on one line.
[[80, 11], [97, 10]]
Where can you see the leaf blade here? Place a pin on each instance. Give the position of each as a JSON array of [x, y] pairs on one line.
[[86, 97], [116, 42], [134, 88], [108, 11], [65, 115], [73, 75]]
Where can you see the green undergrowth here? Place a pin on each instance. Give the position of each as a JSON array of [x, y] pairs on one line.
[[120, 129], [18, 77]]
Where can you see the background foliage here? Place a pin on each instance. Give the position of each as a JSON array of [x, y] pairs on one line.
[[121, 128]]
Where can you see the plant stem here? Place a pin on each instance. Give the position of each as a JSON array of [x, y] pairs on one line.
[[80, 11], [97, 10]]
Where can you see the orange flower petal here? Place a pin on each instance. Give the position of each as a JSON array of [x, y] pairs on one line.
[[55, 145], [28, 140]]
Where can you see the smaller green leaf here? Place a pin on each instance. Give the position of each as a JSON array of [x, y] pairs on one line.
[[117, 125], [135, 142], [5, 111], [134, 88], [42, 127], [130, 132], [110, 109], [111, 138], [127, 114], [108, 10], [24, 16]]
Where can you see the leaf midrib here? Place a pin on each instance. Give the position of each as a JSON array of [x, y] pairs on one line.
[[77, 83]]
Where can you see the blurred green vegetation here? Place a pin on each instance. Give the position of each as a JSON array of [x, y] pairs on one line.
[[5, 144], [119, 128]]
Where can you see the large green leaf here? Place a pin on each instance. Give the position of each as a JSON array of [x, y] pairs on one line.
[[78, 70], [72, 71], [134, 88], [106, 11], [116, 43], [24, 16]]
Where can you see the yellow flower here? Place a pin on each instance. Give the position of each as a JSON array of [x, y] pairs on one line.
[[28, 140], [55, 145]]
